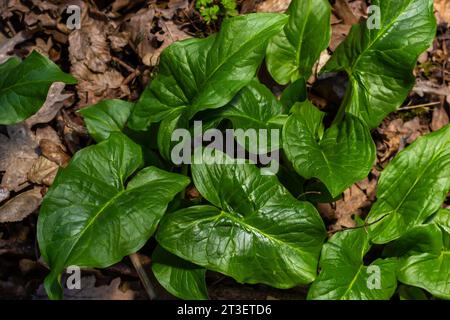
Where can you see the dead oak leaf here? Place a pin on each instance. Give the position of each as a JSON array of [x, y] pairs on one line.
[[53, 103], [273, 6], [350, 205], [90, 57], [21, 206], [43, 171], [440, 118], [442, 8], [17, 155]]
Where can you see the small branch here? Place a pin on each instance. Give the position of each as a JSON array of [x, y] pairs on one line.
[[365, 225], [143, 276], [123, 64], [425, 105], [309, 192]]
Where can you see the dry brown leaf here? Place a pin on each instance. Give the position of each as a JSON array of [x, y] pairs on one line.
[[349, 12], [4, 194], [90, 57], [350, 205], [43, 171], [339, 33], [21, 206], [273, 6], [440, 118], [171, 33], [54, 152], [397, 135], [343, 10], [423, 87], [172, 8], [7, 45], [442, 8], [48, 133], [17, 155], [139, 25], [53, 103]]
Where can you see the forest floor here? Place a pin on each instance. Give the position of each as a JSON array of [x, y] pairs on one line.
[[114, 55]]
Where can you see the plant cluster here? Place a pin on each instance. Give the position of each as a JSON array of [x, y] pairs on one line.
[[210, 10], [255, 228]]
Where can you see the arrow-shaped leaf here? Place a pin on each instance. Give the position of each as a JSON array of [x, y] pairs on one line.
[[379, 59], [344, 276], [200, 74], [90, 218], [292, 53], [412, 187], [256, 233], [338, 157]]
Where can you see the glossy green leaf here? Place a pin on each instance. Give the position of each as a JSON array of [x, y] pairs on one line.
[[344, 276], [443, 219], [105, 117], [256, 232], [181, 278], [292, 53], [425, 264], [90, 218], [412, 187], [24, 86], [200, 74], [380, 61], [339, 157], [255, 109], [411, 293], [295, 92]]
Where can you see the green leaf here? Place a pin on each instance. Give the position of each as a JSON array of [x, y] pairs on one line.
[[105, 117], [380, 61], [425, 264], [340, 156], [411, 293], [412, 187], [253, 110], [344, 276], [24, 86], [165, 132], [200, 74], [256, 233], [181, 278], [443, 219], [292, 53], [295, 92], [89, 218]]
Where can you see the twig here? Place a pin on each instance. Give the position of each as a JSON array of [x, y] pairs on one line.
[[365, 225], [425, 105], [309, 192], [143, 276], [123, 64], [131, 77]]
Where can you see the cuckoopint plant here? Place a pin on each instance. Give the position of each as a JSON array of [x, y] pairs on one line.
[[255, 228]]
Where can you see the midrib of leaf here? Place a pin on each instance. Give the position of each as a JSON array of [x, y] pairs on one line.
[[254, 230], [300, 42], [395, 210], [92, 220], [226, 60], [380, 34], [244, 116], [20, 84], [352, 283]]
